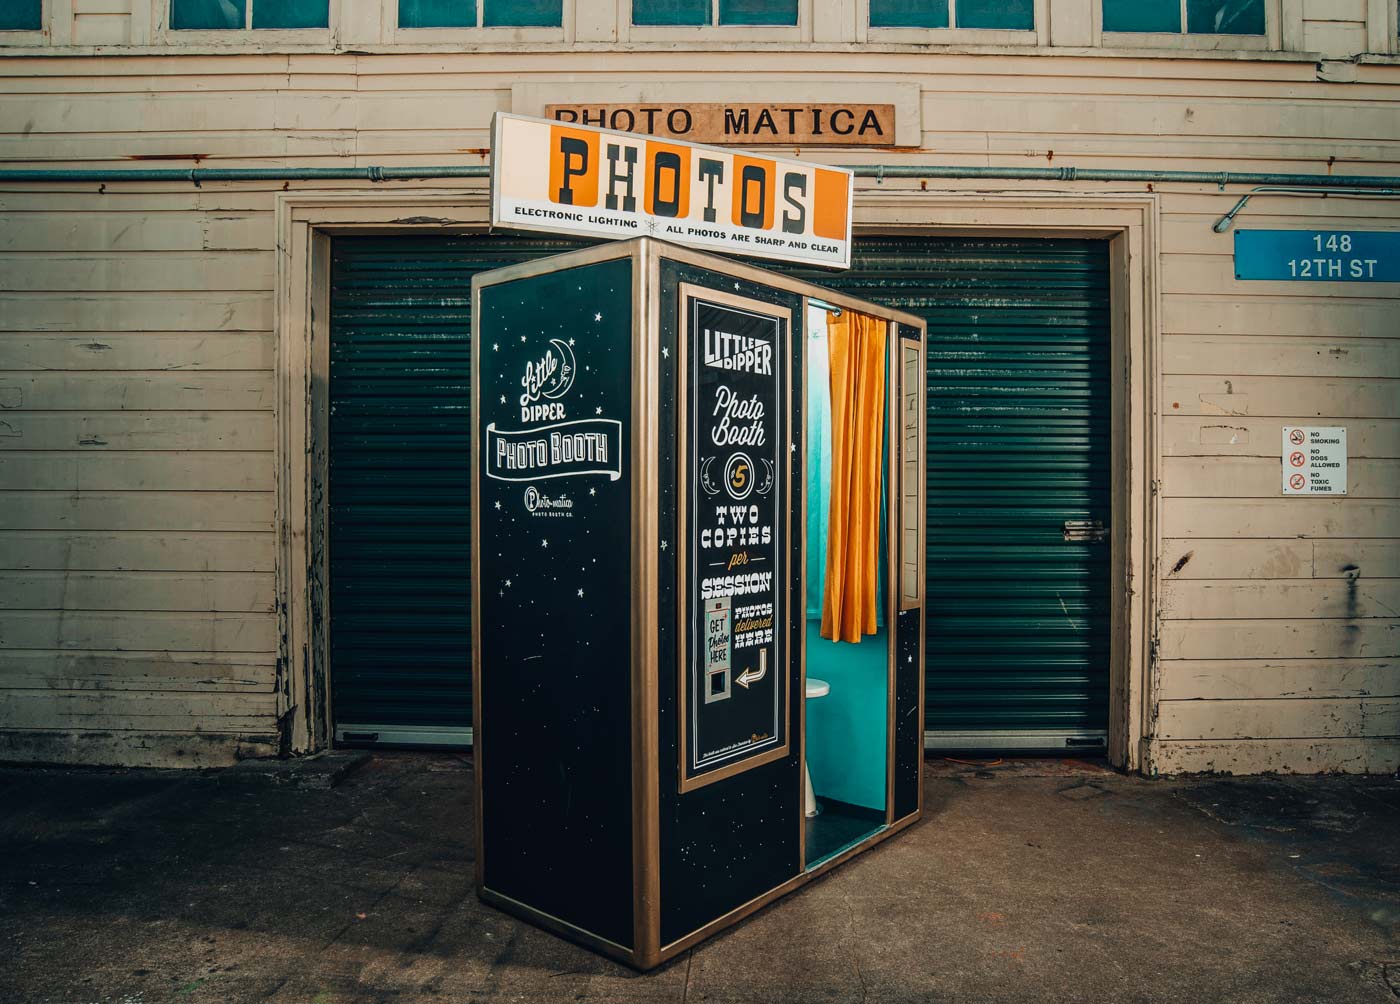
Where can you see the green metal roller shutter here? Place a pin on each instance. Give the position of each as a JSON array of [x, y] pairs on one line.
[[1018, 444], [399, 497]]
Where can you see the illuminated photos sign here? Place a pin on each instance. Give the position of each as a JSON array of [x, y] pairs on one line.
[[571, 179]]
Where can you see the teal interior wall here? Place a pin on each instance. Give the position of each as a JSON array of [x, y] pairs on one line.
[[847, 742], [847, 745]]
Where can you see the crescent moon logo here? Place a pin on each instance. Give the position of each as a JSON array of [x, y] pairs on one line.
[[559, 385], [767, 485], [705, 481]]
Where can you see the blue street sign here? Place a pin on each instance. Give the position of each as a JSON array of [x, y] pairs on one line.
[[1318, 255]]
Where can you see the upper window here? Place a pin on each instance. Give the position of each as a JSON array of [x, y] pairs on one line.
[[21, 15], [481, 13], [707, 12], [1016, 15], [237, 14], [1199, 17]]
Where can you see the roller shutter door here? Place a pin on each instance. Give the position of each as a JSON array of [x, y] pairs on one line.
[[1018, 447], [399, 496], [1018, 439]]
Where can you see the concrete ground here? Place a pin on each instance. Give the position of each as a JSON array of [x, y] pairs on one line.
[[344, 879]]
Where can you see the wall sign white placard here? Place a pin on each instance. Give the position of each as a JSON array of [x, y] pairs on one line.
[[1314, 460], [557, 177]]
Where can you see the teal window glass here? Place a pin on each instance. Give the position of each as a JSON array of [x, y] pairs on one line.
[[1225, 17], [291, 13], [1142, 15], [437, 13], [21, 15], [523, 13], [207, 14], [757, 11], [908, 13], [1012, 14], [671, 12]]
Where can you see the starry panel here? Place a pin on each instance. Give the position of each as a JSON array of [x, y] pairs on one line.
[[555, 586]]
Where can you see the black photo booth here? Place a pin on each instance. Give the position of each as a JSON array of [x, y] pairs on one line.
[[649, 525]]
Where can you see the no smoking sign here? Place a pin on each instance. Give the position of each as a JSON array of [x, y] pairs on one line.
[[1314, 460]]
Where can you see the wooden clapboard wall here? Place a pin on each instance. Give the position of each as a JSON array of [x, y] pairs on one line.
[[137, 424]]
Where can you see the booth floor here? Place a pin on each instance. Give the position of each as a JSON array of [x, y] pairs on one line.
[[348, 879]]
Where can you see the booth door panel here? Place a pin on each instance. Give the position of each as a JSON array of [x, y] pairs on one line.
[[727, 837]]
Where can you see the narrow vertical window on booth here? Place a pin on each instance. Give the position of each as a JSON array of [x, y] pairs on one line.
[[911, 501], [709, 12], [481, 13], [1013, 15], [1194, 17], [21, 15]]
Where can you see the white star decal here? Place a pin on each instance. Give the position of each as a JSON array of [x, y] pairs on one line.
[[665, 352], [592, 491], [498, 506], [522, 338], [597, 317], [507, 583], [503, 399], [580, 594], [495, 346], [664, 545], [598, 410], [544, 542], [571, 343]]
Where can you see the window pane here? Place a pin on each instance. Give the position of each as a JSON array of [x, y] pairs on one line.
[[436, 13], [21, 15], [671, 12], [757, 11], [207, 14], [291, 13], [996, 14], [1141, 15], [908, 13], [523, 13], [1225, 17]]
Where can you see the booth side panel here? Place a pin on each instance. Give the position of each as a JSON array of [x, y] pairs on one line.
[[909, 657], [735, 839], [555, 750], [909, 725]]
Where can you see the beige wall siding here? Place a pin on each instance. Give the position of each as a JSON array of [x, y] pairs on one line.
[[137, 467], [138, 432], [1278, 618]]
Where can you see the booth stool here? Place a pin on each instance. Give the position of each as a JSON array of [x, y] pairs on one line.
[[815, 688]]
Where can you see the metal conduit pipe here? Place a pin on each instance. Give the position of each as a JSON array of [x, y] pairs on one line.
[[880, 172]]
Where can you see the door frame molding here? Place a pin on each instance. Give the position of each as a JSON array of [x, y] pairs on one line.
[[1130, 222], [306, 222]]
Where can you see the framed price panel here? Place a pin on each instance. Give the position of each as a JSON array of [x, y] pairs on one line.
[[735, 464]]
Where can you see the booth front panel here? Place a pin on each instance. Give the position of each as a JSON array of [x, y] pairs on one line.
[[554, 580], [734, 832]]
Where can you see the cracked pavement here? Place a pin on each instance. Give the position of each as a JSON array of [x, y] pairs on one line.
[[1026, 881]]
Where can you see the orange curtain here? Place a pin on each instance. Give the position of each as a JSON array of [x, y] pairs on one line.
[[856, 346]]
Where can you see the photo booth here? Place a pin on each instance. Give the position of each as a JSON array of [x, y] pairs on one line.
[[697, 589]]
